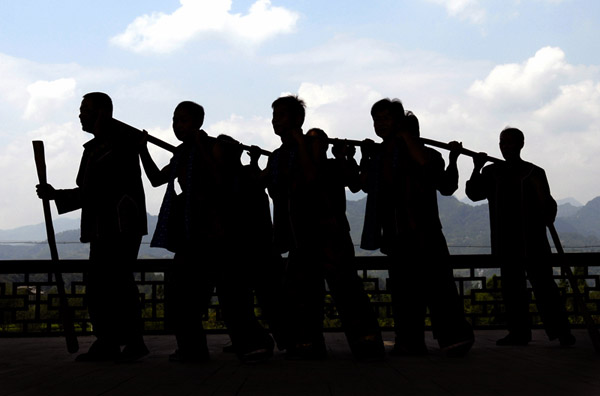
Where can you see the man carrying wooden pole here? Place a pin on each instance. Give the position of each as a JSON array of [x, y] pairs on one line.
[[521, 207], [110, 195]]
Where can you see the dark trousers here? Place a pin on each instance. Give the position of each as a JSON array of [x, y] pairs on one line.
[[264, 272], [190, 287], [424, 279], [112, 295], [514, 271], [305, 289]]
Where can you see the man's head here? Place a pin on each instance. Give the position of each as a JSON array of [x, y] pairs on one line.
[[94, 106], [411, 124], [227, 151], [188, 118], [512, 141], [318, 141], [388, 116], [288, 114]]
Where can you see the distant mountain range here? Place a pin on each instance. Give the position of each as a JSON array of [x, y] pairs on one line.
[[466, 228]]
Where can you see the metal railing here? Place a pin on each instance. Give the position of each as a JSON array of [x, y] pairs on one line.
[[29, 300]]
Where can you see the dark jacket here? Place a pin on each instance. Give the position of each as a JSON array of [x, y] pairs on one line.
[[109, 190], [520, 207], [402, 211]]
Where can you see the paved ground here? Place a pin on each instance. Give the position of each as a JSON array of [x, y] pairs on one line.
[[41, 366]]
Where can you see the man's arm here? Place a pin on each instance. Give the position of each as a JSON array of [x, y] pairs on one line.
[[476, 185], [449, 180], [416, 149], [157, 176], [309, 169], [546, 200], [344, 157], [367, 152], [65, 200]]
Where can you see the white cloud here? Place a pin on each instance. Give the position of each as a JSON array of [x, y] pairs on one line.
[[47, 96], [341, 110], [164, 33], [13, 77], [389, 69], [470, 10], [524, 85], [576, 108], [315, 95], [247, 130], [344, 52]]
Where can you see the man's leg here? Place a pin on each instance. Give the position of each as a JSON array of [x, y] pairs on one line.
[[549, 302], [113, 300], [408, 306], [304, 288], [358, 318], [190, 286], [516, 301]]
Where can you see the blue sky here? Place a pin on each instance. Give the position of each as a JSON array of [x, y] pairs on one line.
[[467, 68]]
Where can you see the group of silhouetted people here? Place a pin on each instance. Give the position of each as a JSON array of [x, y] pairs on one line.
[[216, 218]]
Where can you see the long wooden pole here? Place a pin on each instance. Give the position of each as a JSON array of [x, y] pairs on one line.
[[429, 142], [64, 310], [169, 147]]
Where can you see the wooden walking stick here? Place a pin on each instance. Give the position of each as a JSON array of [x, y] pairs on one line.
[[587, 317], [65, 312]]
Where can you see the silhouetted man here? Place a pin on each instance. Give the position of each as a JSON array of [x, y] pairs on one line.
[[186, 226], [330, 254], [401, 177], [310, 223], [246, 259], [289, 171], [199, 226], [110, 195], [520, 207]]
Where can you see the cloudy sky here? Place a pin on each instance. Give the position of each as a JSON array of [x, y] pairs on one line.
[[467, 68]]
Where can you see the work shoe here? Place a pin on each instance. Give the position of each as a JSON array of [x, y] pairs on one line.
[[368, 348], [229, 348], [417, 349], [514, 340], [458, 349], [180, 356], [100, 351], [133, 352], [307, 351], [567, 340], [257, 356]]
